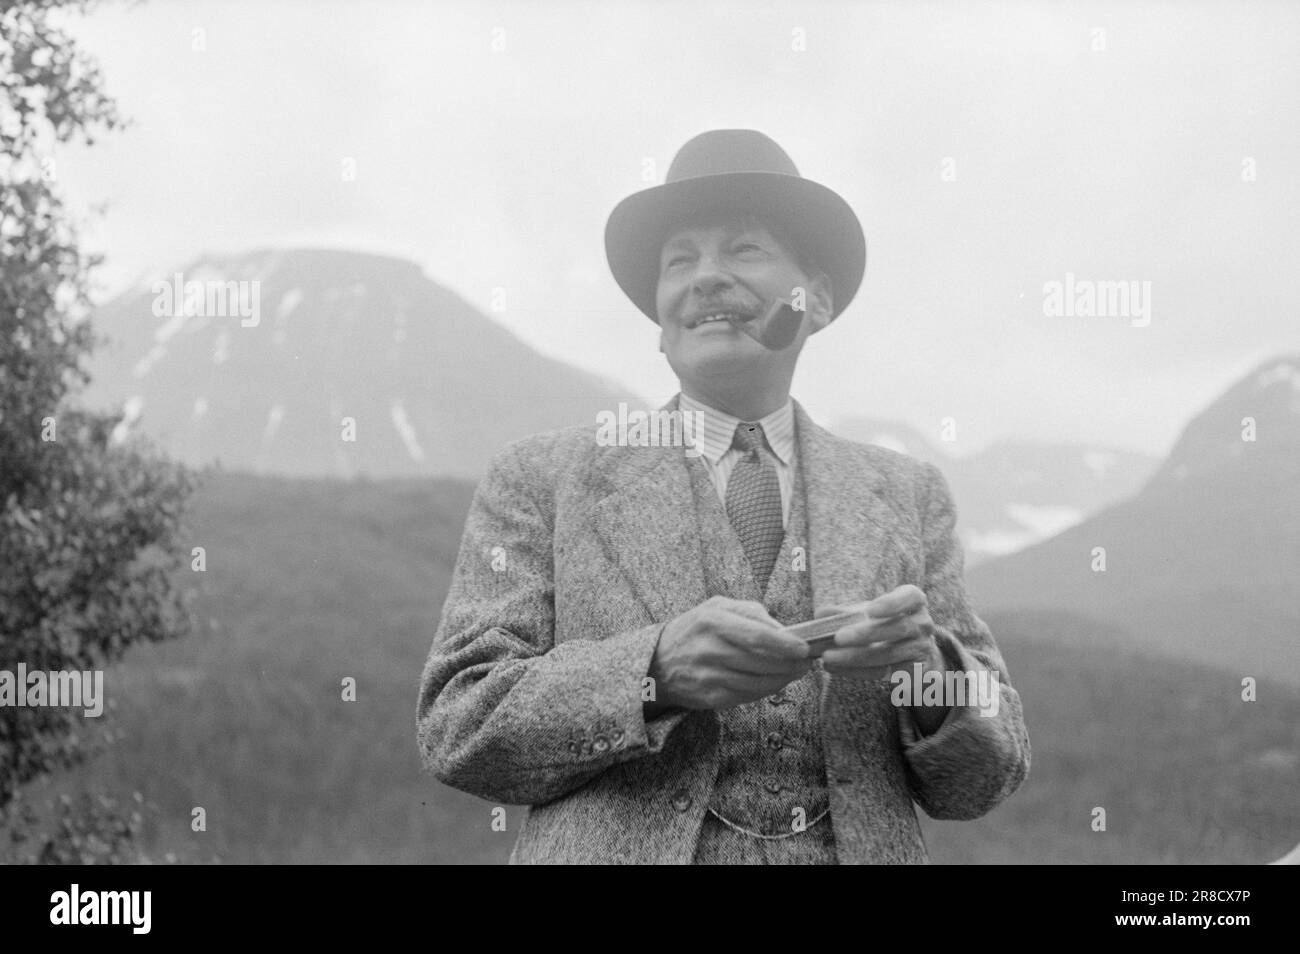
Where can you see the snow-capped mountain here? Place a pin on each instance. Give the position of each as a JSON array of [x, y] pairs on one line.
[[1253, 431], [1013, 494], [1203, 562], [354, 363]]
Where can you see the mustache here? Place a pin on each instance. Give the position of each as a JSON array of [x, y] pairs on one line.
[[775, 329]]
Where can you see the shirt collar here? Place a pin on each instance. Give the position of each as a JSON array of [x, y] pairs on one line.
[[717, 429]]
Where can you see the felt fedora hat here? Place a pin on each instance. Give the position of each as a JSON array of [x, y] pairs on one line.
[[735, 170]]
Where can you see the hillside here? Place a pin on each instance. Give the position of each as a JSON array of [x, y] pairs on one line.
[[1202, 563], [1187, 772], [308, 582], [312, 581]]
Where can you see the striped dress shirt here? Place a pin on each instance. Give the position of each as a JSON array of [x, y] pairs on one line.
[[716, 431]]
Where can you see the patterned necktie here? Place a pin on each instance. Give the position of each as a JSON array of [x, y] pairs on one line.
[[754, 503]]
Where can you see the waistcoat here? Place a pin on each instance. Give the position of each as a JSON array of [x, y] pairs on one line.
[[772, 772]]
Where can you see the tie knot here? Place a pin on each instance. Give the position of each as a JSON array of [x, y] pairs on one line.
[[748, 437]]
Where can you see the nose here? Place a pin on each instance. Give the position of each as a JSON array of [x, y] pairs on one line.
[[710, 276]]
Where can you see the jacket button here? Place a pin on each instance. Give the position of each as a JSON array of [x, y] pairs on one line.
[[681, 800], [601, 744], [617, 736], [778, 700], [773, 786], [775, 740]]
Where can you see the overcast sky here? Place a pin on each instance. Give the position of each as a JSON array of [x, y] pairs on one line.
[[1116, 142]]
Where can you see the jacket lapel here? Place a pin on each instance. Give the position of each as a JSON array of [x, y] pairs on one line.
[[648, 525], [649, 530], [852, 557], [850, 520]]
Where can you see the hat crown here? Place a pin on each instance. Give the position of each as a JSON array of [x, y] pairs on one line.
[[725, 151], [730, 170]]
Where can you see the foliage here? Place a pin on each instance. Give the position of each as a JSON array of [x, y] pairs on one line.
[[88, 524], [89, 829]]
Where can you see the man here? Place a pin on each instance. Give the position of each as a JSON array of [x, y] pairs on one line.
[[613, 650]]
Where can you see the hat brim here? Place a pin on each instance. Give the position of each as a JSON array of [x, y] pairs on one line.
[[822, 224]]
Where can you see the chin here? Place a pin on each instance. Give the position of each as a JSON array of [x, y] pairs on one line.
[[714, 361]]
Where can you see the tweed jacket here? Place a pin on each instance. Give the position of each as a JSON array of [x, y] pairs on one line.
[[575, 556]]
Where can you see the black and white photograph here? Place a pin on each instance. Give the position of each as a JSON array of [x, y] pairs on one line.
[[651, 433]]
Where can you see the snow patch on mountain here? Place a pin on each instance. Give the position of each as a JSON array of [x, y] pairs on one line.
[[406, 432], [145, 364], [1283, 371], [273, 419], [288, 302], [997, 542], [1044, 521]]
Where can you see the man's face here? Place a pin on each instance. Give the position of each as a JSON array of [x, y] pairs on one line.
[[732, 265]]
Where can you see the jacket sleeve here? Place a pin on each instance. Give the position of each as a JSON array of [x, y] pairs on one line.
[[504, 713], [975, 759]]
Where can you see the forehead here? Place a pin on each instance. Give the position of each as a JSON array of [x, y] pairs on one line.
[[717, 224]]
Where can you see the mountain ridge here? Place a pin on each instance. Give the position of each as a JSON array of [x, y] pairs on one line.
[[339, 335], [1201, 562]]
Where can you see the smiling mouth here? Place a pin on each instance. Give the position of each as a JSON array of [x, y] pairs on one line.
[[719, 318]]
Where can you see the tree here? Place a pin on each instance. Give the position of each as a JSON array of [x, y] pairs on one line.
[[89, 525]]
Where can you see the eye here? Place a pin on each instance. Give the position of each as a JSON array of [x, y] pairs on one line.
[[675, 260], [747, 247]]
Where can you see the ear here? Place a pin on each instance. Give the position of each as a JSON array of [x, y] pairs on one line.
[[821, 302]]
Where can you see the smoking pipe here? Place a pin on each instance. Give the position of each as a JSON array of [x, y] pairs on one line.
[[775, 329]]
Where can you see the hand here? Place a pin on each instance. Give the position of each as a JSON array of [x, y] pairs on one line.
[[721, 654], [898, 634]]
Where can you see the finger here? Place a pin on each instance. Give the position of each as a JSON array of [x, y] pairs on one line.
[[882, 631], [915, 649], [905, 599], [729, 658], [755, 637], [788, 673]]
